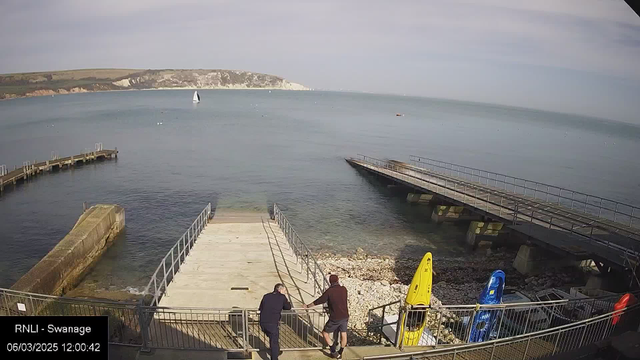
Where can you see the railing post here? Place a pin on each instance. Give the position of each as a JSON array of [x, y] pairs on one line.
[[615, 212], [471, 320], [173, 268], [438, 319], [631, 217], [144, 328], [555, 345], [524, 356], [155, 290], [164, 270], [399, 328], [245, 331], [384, 310], [583, 333]]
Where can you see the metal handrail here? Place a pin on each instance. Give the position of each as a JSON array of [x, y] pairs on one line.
[[515, 210], [493, 343], [603, 226], [301, 251], [616, 204], [168, 272], [141, 318]]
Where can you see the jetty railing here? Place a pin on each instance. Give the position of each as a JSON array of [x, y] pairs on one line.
[[30, 169], [303, 255], [598, 206], [171, 263], [517, 209], [539, 344]]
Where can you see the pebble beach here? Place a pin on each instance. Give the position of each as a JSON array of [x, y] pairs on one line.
[[373, 280]]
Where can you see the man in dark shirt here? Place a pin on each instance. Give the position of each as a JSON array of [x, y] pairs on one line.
[[336, 297], [271, 308]]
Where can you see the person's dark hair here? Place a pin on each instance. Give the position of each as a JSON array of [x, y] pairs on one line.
[[278, 287], [333, 279]]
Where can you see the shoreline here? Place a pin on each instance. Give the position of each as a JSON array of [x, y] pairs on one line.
[[56, 93]]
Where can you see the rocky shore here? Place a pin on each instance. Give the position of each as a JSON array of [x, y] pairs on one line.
[[373, 281]]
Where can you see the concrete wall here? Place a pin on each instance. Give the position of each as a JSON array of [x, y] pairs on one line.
[[63, 267]]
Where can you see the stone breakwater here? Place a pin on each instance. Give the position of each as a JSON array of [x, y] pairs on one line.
[[373, 281]]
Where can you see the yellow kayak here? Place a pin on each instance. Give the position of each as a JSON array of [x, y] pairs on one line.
[[419, 294]]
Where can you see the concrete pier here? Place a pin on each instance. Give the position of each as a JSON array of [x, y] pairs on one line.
[[481, 230], [419, 198], [237, 259], [532, 260], [443, 213], [64, 266]]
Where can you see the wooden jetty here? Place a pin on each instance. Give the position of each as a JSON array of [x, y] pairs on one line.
[[566, 230], [28, 169]]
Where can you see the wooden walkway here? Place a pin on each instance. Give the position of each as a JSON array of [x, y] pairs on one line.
[[236, 259], [564, 230], [29, 170]]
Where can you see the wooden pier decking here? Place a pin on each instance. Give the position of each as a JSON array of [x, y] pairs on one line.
[[251, 255], [28, 170], [235, 260]]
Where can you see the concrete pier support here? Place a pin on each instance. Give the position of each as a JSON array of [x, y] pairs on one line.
[[532, 260], [444, 212], [419, 198], [452, 213], [481, 230]]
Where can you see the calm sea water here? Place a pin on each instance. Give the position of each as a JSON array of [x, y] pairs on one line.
[[246, 149]]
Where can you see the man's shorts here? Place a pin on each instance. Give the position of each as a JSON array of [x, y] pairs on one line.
[[336, 325]]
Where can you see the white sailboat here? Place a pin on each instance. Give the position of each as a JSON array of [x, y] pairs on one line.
[[196, 97]]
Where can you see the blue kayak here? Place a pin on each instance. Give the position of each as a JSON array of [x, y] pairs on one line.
[[484, 320]]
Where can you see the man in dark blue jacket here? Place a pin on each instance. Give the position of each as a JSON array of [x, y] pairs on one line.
[[271, 308]]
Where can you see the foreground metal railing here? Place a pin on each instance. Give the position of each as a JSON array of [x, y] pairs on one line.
[[508, 207], [237, 329], [302, 252], [600, 207], [170, 264], [539, 344], [455, 324], [229, 329], [124, 325]]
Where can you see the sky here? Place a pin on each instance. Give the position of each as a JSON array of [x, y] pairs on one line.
[[574, 56]]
